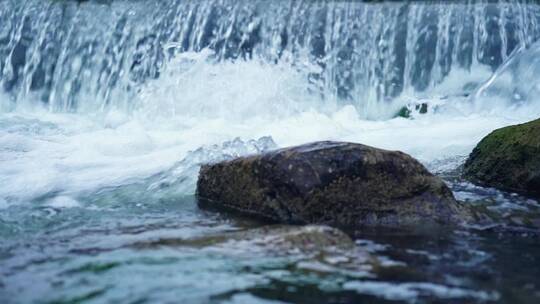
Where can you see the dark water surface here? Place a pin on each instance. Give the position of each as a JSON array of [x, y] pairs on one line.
[[137, 249]]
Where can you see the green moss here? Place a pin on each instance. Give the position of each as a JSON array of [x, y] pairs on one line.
[[508, 158], [406, 111], [403, 112], [513, 140]]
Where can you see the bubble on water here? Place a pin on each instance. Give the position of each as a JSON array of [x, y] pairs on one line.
[[63, 202]]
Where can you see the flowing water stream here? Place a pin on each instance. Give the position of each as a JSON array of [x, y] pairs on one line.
[[109, 107]]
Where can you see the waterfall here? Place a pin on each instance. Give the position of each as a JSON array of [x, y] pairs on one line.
[[73, 56]]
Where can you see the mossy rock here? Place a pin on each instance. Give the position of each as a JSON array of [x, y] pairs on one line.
[[334, 183], [508, 159], [407, 111]]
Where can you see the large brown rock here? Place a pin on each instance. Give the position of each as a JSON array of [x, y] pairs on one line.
[[336, 183], [508, 159]]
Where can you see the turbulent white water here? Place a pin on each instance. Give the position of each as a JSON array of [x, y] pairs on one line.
[[44, 155], [90, 105], [90, 55]]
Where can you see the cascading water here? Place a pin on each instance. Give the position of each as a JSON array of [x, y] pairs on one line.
[[109, 107], [88, 56]]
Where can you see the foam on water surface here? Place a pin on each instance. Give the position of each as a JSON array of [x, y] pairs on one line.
[[65, 160], [209, 103]]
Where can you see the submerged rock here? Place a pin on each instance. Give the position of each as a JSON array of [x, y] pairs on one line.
[[284, 238], [311, 248], [408, 110], [336, 183], [508, 159], [277, 239]]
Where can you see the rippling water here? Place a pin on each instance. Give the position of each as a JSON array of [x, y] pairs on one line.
[[132, 249], [93, 234], [108, 108]]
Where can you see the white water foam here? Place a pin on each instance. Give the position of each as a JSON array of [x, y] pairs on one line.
[[197, 103], [410, 292]]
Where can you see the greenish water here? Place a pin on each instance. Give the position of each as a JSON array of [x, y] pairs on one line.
[[117, 247]]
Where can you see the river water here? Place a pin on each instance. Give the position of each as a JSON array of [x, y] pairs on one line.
[[108, 108]]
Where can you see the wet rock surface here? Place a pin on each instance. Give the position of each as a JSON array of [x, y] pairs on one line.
[[337, 183], [269, 239], [508, 159], [303, 238]]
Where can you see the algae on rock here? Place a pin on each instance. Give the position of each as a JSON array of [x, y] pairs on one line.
[[508, 159]]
